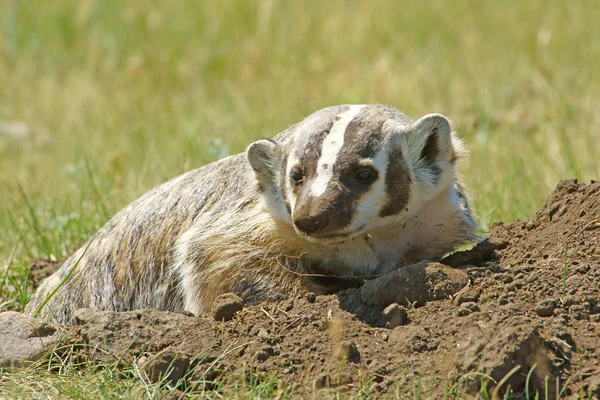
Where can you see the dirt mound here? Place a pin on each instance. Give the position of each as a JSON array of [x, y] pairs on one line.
[[523, 309]]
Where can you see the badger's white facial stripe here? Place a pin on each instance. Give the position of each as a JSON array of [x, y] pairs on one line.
[[372, 201], [292, 161], [329, 152]]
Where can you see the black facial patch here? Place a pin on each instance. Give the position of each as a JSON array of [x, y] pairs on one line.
[[397, 184]]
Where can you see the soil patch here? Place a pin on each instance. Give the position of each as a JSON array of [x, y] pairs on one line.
[[522, 308], [40, 269]]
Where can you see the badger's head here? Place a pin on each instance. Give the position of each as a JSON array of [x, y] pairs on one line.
[[345, 171]]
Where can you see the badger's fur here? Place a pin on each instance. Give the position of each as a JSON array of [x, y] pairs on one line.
[[351, 191]]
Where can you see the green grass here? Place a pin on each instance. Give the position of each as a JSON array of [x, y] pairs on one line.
[[115, 97], [71, 376]]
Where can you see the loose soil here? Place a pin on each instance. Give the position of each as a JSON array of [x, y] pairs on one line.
[[521, 309]]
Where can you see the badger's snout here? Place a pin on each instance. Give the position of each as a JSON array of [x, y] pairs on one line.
[[322, 217], [311, 224]]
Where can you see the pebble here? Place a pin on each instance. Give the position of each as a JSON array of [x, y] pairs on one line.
[[545, 308], [395, 315], [466, 295], [311, 297], [226, 305], [261, 355], [347, 350]]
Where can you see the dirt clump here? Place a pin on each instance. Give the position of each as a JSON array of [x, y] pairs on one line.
[[395, 315], [166, 365], [24, 339], [414, 285], [521, 309], [226, 305]]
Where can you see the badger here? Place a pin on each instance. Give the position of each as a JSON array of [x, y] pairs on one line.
[[349, 193]]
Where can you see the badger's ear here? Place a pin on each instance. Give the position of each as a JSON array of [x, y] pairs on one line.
[[429, 147], [432, 136], [265, 158]]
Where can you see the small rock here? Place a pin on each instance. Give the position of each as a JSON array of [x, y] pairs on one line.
[[395, 315], [466, 295], [384, 337], [166, 365], [347, 350], [311, 297], [24, 339], [261, 355], [226, 305], [545, 308]]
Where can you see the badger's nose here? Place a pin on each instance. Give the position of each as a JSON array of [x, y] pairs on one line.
[[311, 224]]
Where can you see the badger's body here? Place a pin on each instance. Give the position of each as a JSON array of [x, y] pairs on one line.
[[349, 191]]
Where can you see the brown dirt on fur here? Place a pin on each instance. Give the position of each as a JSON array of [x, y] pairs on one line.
[[530, 312]]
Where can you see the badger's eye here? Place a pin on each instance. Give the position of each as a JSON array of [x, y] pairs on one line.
[[366, 175], [297, 176]]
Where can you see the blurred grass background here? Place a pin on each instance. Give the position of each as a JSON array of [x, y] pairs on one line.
[[102, 100]]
